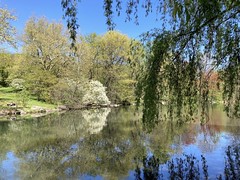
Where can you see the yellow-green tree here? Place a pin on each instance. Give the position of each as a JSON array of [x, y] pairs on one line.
[[112, 62], [46, 45], [48, 55]]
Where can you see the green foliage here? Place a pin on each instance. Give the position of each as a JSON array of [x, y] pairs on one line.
[[67, 91], [46, 46], [113, 55], [153, 79], [5, 64], [47, 56], [39, 82], [70, 10], [231, 93], [7, 31], [182, 82]]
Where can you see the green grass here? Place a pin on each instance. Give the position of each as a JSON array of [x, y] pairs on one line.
[[9, 95], [40, 103]]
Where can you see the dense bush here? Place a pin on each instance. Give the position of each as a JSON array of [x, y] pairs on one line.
[[39, 83], [67, 91]]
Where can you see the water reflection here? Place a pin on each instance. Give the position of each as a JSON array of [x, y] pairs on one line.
[[96, 119], [111, 144]]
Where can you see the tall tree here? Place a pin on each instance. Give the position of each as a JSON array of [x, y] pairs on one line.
[[47, 46], [113, 56], [48, 54]]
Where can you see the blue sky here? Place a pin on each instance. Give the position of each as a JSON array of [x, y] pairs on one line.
[[90, 18]]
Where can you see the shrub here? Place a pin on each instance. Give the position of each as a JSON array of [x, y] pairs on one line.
[[17, 84], [67, 91]]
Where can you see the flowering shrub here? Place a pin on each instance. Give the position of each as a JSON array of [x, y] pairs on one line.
[[95, 94], [17, 84]]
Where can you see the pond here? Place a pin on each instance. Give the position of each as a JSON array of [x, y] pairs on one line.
[[111, 144]]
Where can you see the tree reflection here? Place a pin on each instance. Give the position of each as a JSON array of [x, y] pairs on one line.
[[188, 167], [232, 163], [150, 169]]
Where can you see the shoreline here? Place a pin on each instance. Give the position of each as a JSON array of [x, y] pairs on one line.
[[37, 111]]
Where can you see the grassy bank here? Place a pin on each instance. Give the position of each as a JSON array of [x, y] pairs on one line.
[[8, 95]]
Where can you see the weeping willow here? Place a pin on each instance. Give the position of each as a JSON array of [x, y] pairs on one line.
[[174, 84], [180, 64], [195, 39]]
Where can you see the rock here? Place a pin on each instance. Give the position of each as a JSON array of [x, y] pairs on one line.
[[22, 112], [14, 105], [38, 109], [13, 118], [17, 112], [63, 108]]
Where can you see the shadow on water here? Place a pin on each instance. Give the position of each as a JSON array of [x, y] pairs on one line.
[[111, 144]]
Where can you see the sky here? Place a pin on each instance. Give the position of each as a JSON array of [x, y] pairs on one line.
[[90, 16]]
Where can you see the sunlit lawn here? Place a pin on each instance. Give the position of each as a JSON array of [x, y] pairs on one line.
[[9, 95]]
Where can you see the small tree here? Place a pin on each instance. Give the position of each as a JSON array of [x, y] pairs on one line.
[[39, 82], [23, 97]]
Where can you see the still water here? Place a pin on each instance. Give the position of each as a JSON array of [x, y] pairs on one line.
[[111, 144]]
